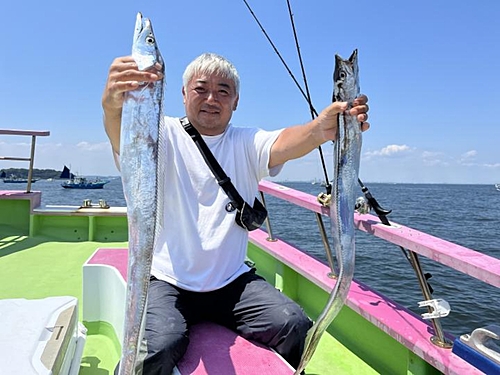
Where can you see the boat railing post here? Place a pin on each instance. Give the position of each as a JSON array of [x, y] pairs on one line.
[[270, 236], [438, 339], [326, 245], [32, 162]]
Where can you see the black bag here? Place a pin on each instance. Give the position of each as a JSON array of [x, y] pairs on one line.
[[247, 217]]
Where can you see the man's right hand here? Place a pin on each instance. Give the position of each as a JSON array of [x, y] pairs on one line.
[[123, 76]]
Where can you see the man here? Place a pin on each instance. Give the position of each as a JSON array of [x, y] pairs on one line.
[[198, 270]]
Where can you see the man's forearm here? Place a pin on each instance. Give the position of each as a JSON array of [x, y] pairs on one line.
[[295, 142], [112, 123]]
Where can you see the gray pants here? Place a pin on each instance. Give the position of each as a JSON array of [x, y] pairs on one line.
[[249, 305]]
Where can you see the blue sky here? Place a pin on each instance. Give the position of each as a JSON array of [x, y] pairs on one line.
[[430, 69]]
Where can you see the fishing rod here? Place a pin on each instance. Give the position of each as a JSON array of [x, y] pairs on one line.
[[299, 55], [281, 58], [325, 199]]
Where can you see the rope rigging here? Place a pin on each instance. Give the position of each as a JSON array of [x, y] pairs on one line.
[[323, 198], [306, 94]]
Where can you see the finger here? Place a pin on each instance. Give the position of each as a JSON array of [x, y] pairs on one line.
[[337, 107], [360, 100], [114, 93], [365, 126], [124, 66], [135, 75], [122, 63], [362, 117], [157, 69], [125, 59], [359, 109], [127, 63], [123, 86]]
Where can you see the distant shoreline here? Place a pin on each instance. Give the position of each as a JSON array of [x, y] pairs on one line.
[[42, 174], [45, 174]]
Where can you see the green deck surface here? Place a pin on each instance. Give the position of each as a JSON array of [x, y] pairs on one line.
[[37, 267], [34, 268], [49, 263]]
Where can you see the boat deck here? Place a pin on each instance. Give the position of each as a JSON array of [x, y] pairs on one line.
[[40, 267], [43, 251]]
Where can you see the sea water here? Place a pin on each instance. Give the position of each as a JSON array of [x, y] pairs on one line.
[[468, 215]]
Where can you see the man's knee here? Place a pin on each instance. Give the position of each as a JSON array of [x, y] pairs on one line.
[[164, 352], [293, 319], [287, 332]]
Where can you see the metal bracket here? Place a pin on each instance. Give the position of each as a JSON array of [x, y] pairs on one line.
[[87, 203], [440, 308]]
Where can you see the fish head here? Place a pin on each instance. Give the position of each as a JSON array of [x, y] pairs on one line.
[[145, 49], [345, 78]]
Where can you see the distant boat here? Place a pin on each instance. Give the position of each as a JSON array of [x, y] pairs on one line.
[[18, 180], [83, 183], [497, 186], [66, 173]]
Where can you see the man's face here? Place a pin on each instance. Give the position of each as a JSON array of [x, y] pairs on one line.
[[210, 101]]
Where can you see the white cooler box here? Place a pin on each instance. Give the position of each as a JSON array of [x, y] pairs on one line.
[[41, 337]]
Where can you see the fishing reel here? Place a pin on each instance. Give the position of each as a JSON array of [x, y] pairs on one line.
[[362, 206], [325, 199]]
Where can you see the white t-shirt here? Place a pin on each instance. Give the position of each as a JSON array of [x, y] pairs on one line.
[[200, 247]]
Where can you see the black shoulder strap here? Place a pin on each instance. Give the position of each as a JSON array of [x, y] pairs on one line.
[[223, 180]]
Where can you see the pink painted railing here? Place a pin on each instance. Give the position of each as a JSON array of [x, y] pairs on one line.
[[467, 261], [400, 323]]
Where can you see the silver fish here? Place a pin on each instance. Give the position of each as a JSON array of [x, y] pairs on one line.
[[347, 151], [140, 155]]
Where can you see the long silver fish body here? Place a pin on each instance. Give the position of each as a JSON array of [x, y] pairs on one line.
[[141, 141], [347, 153]]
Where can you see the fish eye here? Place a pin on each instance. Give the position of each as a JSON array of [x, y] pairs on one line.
[[342, 75], [150, 39]]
